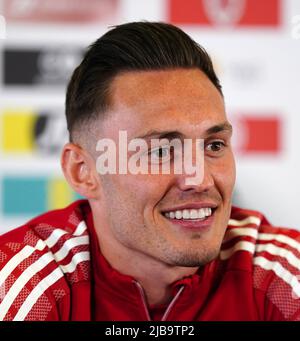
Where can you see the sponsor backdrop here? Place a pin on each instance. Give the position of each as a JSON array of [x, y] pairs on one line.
[[255, 46]]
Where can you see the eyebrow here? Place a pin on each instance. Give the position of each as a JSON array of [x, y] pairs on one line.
[[172, 134], [168, 134], [219, 128]]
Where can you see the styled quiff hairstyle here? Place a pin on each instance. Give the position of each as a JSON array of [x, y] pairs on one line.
[[136, 46]]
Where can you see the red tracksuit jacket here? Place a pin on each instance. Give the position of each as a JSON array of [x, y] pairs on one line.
[[52, 269]]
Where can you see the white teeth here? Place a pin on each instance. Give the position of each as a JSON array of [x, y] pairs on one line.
[[201, 213], [208, 211], [186, 214], [178, 214], [194, 214]]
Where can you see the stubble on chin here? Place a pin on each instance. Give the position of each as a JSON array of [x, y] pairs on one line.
[[195, 259]]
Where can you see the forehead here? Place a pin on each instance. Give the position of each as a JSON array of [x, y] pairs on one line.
[[180, 98]]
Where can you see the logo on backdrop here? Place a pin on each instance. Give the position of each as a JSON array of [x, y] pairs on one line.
[[27, 131], [240, 13], [45, 66], [257, 133], [63, 11], [50, 133], [223, 12]]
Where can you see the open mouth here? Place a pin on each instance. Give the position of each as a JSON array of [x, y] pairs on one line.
[[192, 214]]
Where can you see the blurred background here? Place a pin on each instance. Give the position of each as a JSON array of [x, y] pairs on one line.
[[255, 46]]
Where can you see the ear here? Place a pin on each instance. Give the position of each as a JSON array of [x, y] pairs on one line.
[[80, 171]]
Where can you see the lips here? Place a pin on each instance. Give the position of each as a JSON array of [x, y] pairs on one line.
[[192, 216]]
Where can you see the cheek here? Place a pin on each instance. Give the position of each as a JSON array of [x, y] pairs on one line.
[[225, 174], [142, 191]]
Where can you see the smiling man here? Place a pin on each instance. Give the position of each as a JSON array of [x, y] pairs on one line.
[[149, 245]]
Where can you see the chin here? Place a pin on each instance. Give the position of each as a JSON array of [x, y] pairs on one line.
[[197, 258]]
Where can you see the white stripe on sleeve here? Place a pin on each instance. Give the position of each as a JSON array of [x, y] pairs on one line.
[[68, 245], [21, 281], [36, 293], [18, 258], [248, 220], [240, 232], [80, 228], [78, 258], [281, 272], [240, 246]]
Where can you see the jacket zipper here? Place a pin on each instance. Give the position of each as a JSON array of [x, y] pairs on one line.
[[142, 293], [170, 306]]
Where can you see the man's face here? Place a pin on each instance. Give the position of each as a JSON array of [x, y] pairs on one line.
[[143, 209]]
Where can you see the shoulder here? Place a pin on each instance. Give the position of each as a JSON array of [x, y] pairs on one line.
[[271, 253], [40, 261]]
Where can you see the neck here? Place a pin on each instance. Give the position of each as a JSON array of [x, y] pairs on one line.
[[154, 276], [157, 284]]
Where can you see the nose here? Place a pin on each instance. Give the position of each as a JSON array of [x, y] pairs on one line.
[[205, 183]]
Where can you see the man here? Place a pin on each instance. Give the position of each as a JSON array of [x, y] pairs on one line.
[[149, 245]]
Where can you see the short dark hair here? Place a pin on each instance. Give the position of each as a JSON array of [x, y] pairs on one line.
[[136, 46]]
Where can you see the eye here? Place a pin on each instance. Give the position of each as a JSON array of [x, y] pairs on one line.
[[160, 154], [216, 146]]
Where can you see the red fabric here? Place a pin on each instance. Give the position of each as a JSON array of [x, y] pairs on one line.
[[57, 259], [261, 134]]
